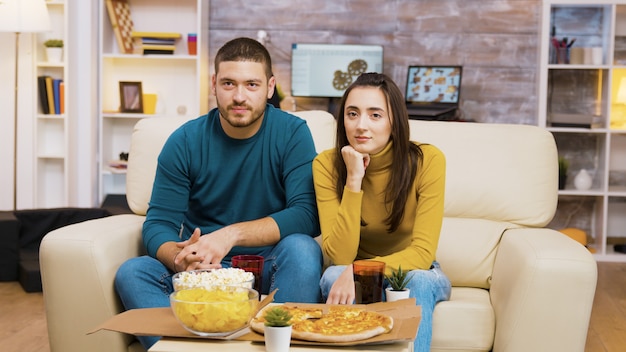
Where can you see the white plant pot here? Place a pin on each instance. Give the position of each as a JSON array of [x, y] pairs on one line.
[[396, 295], [54, 54], [277, 339]]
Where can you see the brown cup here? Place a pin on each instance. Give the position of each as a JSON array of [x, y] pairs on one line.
[[253, 264], [368, 281]]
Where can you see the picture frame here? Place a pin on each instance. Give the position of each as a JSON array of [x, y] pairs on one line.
[[131, 97]]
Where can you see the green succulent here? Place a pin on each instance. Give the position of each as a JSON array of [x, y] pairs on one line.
[[53, 43], [277, 317], [563, 165], [398, 279]]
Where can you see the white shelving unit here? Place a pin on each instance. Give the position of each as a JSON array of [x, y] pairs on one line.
[[579, 103], [51, 140], [180, 81]]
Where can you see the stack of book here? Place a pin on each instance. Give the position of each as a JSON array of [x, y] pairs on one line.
[[154, 42], [51, 95]]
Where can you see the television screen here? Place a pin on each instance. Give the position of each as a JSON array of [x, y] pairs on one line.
[[326, 70]]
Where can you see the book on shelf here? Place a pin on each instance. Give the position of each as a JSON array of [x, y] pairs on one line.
[[154, 42], [149, 40], [57, 95], [159, 35], [43, 94], [157, 49], [50, 94], [62, 96], [157, 52]]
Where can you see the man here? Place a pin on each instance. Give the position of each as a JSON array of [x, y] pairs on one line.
[[235, 181]]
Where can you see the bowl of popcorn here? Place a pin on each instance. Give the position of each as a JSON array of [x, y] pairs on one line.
[[214, 311], [212, 277]]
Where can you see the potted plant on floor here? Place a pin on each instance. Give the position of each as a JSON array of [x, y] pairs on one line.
[[54, 50], [397, 281], [277, 330]]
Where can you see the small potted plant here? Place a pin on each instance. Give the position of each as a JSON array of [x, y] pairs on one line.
[[563, 166], [397, 281], [54, 50], [277, 330]]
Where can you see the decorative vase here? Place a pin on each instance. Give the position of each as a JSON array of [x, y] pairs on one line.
[[583, 180], [54, 54], [393, 295], [277, 338]]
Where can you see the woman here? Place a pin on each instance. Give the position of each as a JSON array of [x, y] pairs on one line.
[[380, 196]]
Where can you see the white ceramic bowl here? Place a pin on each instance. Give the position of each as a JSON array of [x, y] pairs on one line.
[[217, 311]]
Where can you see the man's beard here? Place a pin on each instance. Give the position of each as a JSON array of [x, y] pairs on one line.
[[238, 120]]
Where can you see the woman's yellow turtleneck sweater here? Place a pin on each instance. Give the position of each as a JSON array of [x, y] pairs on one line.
[[413, 245]]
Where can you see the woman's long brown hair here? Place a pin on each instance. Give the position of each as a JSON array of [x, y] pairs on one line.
[[406, 154]]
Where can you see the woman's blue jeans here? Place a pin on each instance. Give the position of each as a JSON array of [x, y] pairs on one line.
[[427, 287], [293, 265]]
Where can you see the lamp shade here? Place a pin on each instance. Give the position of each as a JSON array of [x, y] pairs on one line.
[[21, 16]]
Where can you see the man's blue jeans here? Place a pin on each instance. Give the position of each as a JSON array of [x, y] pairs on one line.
[[427, 287], [293, 265]]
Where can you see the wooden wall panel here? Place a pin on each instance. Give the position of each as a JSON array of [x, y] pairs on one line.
[[496, 41]]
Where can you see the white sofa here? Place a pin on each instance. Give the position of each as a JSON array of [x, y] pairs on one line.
[[516, 286]]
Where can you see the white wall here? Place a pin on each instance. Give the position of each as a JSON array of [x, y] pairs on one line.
[[7, 54], [83, 105], [25, 120], [82, 93]]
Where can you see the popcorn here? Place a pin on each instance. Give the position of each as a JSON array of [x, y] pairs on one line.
[[213, 277]]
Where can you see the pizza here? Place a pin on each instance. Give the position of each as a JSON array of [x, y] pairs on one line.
[[338, 324]]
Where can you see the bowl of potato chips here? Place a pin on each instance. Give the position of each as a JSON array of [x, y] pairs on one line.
[[214, 311]]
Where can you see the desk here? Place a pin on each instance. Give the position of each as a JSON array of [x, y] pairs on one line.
[[167, 344]]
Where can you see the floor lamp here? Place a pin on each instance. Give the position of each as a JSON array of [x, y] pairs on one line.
[[21, 16]]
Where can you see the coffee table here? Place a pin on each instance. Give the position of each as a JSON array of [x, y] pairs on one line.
[[168, 344]]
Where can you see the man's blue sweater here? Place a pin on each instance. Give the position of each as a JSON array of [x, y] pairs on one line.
[[208, 180]]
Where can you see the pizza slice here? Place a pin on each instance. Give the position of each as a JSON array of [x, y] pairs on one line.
[[343, 324], [338, 324], [297, 314]]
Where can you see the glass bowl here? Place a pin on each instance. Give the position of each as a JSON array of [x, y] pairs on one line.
[[216, 311], [211, 277]]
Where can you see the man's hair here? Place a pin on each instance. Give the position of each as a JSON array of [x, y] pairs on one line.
[[244, 49]]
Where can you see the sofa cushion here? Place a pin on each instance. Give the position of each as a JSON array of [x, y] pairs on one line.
[[464, 323], [498, 187], [322, 125], [149, 136], [467, 250]]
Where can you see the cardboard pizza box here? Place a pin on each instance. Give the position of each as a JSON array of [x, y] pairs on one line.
[[162, 322]]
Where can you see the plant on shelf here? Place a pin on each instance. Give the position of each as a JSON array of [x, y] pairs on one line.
[[277, 330], [54, 50], [563, 166], [53, 43]]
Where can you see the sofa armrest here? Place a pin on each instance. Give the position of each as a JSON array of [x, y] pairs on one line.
[[78, 266], [542, 291]]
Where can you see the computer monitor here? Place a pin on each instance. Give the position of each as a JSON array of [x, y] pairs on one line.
[[326, 70], [433, 84]]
